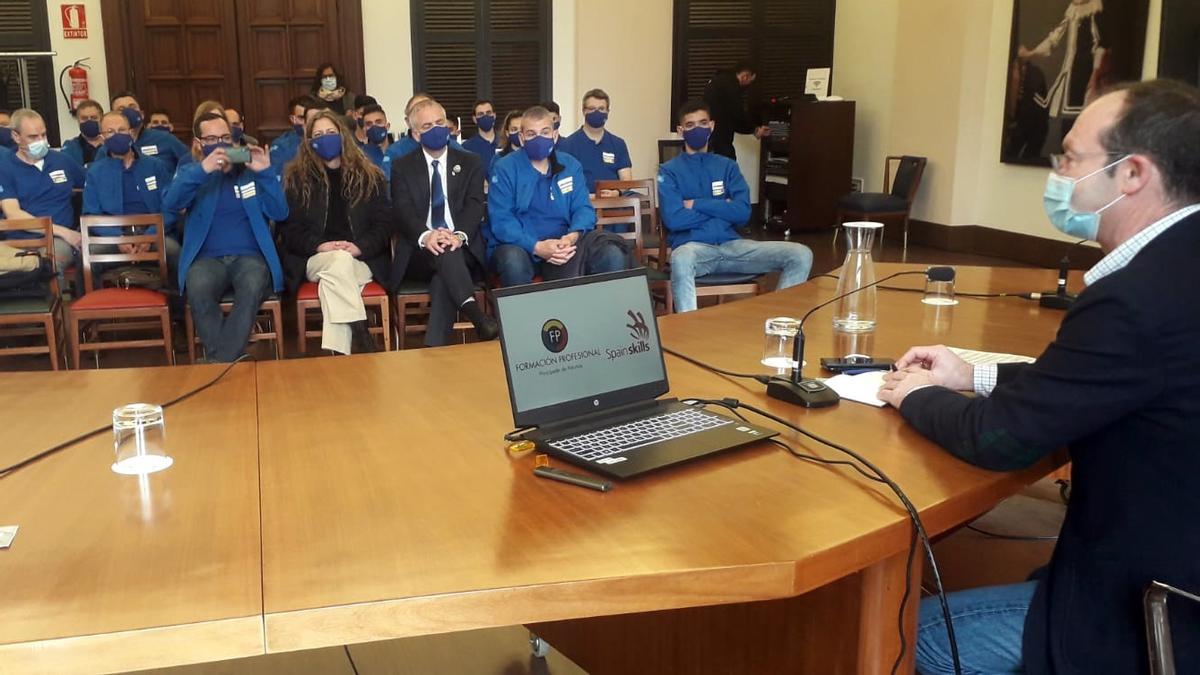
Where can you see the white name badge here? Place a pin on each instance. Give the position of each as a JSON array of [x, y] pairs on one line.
[[608, 157], [150, 150], [245, 191], [58, 176], [718, 188], [151, 183], [566, 185]]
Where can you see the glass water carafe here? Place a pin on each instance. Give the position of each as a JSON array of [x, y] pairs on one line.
[[855, 313]]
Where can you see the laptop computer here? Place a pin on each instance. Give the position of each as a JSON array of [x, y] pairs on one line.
[[585, 367]]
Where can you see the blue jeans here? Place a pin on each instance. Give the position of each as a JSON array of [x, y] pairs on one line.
[[988, 625], [516, 266], [738, 256], [208, 279]]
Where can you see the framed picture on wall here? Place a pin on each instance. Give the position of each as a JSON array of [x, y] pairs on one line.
[[1179, 41], [1064, 53]]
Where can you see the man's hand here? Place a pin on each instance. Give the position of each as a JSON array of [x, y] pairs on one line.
[[452, 242], [945, 369], [328, 246], [217, 160], [762, 132], [901, 383], [434, 242], [72, 237], [260, 160], [554, 251], [570, 238], [133, 249], [689, 203], [608, 193]]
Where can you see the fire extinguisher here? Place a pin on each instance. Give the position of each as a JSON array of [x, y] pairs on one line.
[[77, 72]]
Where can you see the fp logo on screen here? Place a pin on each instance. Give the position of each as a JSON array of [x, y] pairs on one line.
[[554, 335]]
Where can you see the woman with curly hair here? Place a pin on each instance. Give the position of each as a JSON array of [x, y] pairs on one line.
[[338, 230]]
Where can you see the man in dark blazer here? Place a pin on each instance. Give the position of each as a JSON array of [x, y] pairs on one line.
[[1119, 387], [437, 194]]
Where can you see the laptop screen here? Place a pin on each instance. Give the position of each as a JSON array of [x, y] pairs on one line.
[[580, 345]]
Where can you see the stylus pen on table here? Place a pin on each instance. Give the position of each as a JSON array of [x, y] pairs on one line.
[[572, 478]]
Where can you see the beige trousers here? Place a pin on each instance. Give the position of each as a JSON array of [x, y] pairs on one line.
[[341, 277]]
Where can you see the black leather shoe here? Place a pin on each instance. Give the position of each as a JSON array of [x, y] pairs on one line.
[[487, 329], [361, 340]]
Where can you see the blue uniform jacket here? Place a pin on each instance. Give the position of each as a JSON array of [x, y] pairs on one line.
[[284, 149], [486, 151], [103, 192], [196, 191], [378, 158], [511, 191], [722, 198], [163, 146]]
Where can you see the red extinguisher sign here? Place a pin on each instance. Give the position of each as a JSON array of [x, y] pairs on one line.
[[74, 21]]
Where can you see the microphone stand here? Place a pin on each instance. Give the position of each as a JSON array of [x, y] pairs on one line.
[[808, 392], [1059, 298]]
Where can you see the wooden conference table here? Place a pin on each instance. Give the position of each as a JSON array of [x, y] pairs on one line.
[[321, 502]]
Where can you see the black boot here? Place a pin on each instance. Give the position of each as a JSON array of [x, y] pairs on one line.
[[486, 327], [361, 340]]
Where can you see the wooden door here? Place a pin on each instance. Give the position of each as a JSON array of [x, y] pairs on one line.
[[183, 52], [283, 43]]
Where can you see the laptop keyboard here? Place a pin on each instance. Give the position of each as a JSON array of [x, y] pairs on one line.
[[608, 441]]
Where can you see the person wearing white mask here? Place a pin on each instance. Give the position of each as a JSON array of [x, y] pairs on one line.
[[1119, 388], [36, 182], [330, 86]]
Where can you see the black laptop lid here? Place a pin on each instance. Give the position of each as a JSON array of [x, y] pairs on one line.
[[579, 346]]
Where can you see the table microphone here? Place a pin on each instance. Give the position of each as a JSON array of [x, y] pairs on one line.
[[811, 393], [1059, 298]]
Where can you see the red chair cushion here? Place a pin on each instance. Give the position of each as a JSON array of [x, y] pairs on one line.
[[308, 290], [120, 298]]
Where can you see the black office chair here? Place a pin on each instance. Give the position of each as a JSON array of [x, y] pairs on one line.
[[669, 149], [893, 202], [1158, 628]]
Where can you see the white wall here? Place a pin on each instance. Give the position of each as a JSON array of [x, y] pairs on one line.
[[387, 55], [70, 51]]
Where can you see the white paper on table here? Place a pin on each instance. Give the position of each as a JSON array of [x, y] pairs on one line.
[[977, 358], [7, 534], [861, 388], [817, 82]]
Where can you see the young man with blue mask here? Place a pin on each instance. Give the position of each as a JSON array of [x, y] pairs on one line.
[[121, 183], [485, 142], [376, 137], [37, 182], [237, 124], [150, 142], [285, 146], [160, 118], [1119, 387], [85, 147], [603, 154], [540, 213], [704, 199], [227, 244]]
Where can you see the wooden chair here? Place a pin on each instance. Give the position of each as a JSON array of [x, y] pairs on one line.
[[612, 211], [647, 191], [270, 314], [410, 311], [720, 285], [375, 297], [894, 202], [24, 317], [109, 310]]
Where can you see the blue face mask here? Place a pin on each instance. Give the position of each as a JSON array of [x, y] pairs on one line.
[[514, 139], [596, 119], [299, 129], [210, 149], [328, 146], [133, 116], [237, 133], [539, 147], [376, 135], [89, 128], [118, 144], [1064, 217], [697, 137], [486, 122], [435, 138], [6, 138]]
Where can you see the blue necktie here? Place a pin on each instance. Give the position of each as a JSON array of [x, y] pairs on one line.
[[437, 200]]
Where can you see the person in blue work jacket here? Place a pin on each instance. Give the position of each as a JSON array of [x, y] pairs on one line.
[[541, 216], [121, 183], [376, 128], [485, 142], [603, 154], [703, 198], [227, 244], [85, 147], [150, 142], [287, 144], [37, 182]]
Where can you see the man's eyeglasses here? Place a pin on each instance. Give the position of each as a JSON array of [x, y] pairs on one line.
[[1064, 160], [211, 140]]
